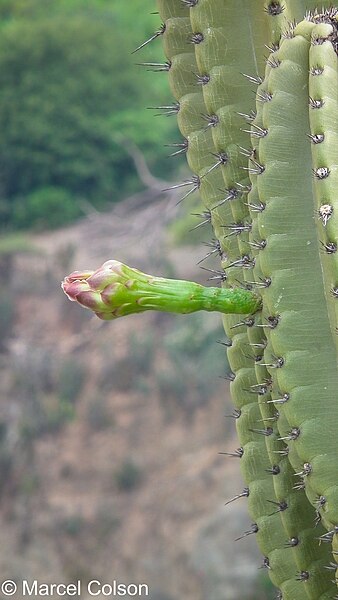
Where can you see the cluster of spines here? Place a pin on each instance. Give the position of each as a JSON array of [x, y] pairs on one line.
[[233, 216]]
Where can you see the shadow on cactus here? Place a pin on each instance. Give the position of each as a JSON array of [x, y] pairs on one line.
[[267, 173]]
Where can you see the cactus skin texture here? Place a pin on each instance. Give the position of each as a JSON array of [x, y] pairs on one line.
[[309, 369], [277, 230], [323, 84]]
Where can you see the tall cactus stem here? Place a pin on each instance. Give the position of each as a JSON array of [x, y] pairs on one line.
[[308, 376]]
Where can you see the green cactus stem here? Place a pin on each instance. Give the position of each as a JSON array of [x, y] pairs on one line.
[[225, 95], [116, 290], [323, 86], [300, 352]]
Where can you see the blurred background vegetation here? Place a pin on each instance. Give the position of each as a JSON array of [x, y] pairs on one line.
[[69, 89]]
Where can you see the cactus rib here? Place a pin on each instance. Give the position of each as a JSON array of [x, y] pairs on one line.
[[308, 371], [323, 85]]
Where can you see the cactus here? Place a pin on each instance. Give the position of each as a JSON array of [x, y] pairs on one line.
[[270, 191]]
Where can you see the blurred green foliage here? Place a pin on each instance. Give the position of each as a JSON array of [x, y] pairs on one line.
[[128, 476], [7, 317], [71, 379], [69, 85]]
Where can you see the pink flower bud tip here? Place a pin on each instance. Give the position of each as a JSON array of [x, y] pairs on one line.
[[75, 283], [94, 289]]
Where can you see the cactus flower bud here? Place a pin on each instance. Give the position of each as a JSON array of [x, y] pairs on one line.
[[115, 290]]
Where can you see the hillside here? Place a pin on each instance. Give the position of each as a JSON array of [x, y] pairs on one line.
[[110, 433]]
